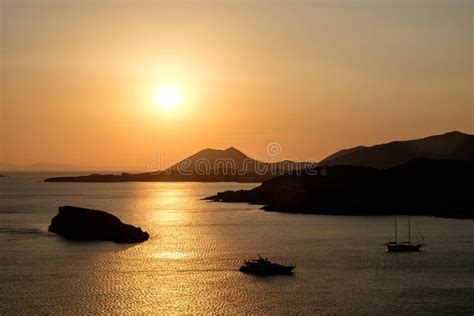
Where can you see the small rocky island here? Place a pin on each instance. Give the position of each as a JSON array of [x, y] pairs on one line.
[[77, 223]]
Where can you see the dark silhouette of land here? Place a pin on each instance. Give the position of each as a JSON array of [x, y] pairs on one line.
[[419, 187], [208, 165], [77, 223], [453, 145], [231, 165]]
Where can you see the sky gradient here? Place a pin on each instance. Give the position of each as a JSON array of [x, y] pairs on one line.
[[315, 76]]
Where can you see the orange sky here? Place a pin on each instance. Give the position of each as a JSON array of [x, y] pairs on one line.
[[315, 76]]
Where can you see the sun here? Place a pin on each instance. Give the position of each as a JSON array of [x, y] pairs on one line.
[[168, 97]]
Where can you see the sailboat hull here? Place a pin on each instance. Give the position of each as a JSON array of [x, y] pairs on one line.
[[405, 246], [395, 247]]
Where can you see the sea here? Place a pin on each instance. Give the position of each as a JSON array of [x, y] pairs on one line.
[[190, 263]]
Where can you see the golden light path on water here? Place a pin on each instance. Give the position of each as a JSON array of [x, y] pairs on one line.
[[170, 198], [177, 269]]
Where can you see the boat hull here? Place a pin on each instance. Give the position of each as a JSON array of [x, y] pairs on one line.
[[402, 247], [273, 271]]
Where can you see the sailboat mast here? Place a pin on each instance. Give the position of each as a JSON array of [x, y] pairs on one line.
[[409, 229], [396, 238]]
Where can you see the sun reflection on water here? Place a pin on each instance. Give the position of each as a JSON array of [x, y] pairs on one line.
[[170, 255], [169, 212]]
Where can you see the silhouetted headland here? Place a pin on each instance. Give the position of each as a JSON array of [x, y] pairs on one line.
[[208, 165], [419, 187], [77, 223]]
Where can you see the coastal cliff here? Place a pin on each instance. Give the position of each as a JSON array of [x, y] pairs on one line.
[[419, 187]]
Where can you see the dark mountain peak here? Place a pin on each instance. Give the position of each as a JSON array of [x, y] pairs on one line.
[[452, 145], [235, 152], [212, 155], [230, 152], [207, 151], [232, 149], [342, 152], [213, 151], [457, 133], [447, 136]]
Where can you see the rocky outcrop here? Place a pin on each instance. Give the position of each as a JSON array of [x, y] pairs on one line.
[[419, 187], [77, 223]]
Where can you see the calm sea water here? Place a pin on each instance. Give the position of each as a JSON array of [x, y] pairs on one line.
[[190, 264]]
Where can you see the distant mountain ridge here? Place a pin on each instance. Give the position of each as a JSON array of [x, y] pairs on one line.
[[55, 167], [231, 158], [208, 165], [343, 152], [453, 145], [36, 167], [232, 165], [212, 155]]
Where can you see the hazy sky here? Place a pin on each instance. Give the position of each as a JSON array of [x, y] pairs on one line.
[[78, 77]]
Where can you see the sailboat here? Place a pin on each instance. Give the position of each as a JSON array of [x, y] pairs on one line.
[[403, 246]]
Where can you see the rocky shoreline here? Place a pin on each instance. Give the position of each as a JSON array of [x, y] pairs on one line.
[[420, 187]]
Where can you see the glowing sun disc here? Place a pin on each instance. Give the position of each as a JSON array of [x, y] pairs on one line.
[[168, 97]]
